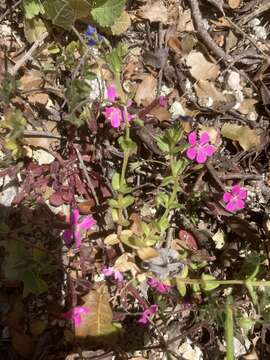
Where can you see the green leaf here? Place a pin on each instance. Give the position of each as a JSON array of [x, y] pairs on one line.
[[60, 12], [81, 8], [116, 181], [167, 180], [209, 282], [181, 287], [32, 8], [178, 167], [127, 201], [106, 12], [127, 145], [32, 283], [34, 29], [163, 199], [116, 57], [162, 145]]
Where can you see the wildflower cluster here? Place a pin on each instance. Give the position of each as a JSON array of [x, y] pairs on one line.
[[148, 313]]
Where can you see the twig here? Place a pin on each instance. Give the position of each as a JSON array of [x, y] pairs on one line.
[[261, 9], [240, 176], [8, 10], [215, 176], [204, 34], [89, 181], [28, 55], [33, 133]]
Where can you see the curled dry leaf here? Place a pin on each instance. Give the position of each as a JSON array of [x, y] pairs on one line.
[[147, 253], [247, 106], [154, 11], [111, 239], [146, 91], [121, 24], [247, 138], [126, 262], [200, 68], [234, 4]]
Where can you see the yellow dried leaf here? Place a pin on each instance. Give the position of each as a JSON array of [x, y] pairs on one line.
[[200, 68], [154, 11], [147, 253], [121, 24], [111, 239], [146, 91], [247, 138], [234, 4]]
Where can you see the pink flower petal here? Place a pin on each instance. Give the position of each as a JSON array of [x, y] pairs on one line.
[[108, 111], [231, 206], [77, 320], [87, 223], [201, 157], [143, 320], [191, 153], [118, 276], [192, 138], [116, 118], [111, 93], [204, 138], [152, 282], [162, 101], [209, 150], [239, 204], [153, 309], [227, 197], [108, 271], [242, 194], [235, 189]]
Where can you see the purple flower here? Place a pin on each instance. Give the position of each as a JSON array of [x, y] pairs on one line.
[[144, 319], [117, 275], [75, 313], [200, 149], [115, 114], [162, 101], [74, 234], [92, 36], [235, 199], [158, 286]]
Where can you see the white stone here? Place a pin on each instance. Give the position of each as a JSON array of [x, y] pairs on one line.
[[233, 81]]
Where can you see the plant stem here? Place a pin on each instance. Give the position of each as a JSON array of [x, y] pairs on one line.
[[229, 330], [174, 191], [225, 282]]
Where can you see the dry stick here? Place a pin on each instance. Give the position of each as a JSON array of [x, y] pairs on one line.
[[33, 133], [261, 9], [89, 181], [28, 55], [240, 176], [203, 33], [8, 10]]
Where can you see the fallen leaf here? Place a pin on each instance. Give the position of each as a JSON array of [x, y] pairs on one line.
[[206, 89], [200, 68], [234, 4], [42, 157], [86, 206], [146, 91], [38, 98], [189, 239], [23, 344], [175, 44], [126, 262], [31, 80], [157, 58], [121, 24], [160, 113], [247, 138], [247, 106], [136, 227], [34, 29], [185, 23], [111, 239], [147, 253], [97, 324], [154, 11]]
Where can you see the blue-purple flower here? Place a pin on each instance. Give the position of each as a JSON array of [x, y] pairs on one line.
[[93, 37]]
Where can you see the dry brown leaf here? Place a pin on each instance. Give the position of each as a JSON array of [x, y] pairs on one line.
[[44, 142], [126, 262], [185, 23], [247, 106], [146, 91], [234, 4], [205, 88], [121, 24], [160, 113], [147, 253], [111, 239], [247, 138], [175, 44], [154, 11], [31, 80], [200, 68], [136, 227], [38, 98], [98, 323]]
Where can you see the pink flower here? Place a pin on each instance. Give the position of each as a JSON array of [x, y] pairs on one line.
[[201, 149], [111, 93], [75, 313], [158, 286], [235, 199], [117, 275], [74, 234], [144, 319], [162, 101]]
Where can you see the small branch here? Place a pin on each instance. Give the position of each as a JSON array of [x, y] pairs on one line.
[[265, 6], [8, 10], [240, 176], [28, 55], [204, 34], [89, 181], [33, 133]]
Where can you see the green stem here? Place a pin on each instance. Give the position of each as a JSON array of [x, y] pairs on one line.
[[174, 191], [124, 167], [229, 330], [225, 282]]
